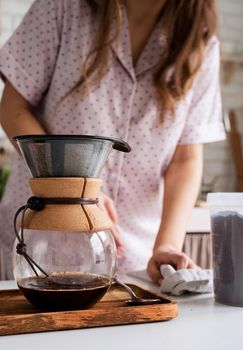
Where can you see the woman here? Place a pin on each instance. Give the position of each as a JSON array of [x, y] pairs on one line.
[[146, 72]]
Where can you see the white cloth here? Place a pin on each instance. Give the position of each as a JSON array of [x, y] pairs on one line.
[[178, 282], [186, 280]]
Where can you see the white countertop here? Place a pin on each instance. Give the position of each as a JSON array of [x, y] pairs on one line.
[[201, 324]]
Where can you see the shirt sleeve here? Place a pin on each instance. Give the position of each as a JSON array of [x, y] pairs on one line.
[[205, 118], [28, 58]]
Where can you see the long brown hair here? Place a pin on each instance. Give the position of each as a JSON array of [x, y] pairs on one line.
[[189, 25]]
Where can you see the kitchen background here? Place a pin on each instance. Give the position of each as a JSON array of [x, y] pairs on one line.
[[220, 172]]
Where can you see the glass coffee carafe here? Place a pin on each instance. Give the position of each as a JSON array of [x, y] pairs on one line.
[[64, 255]]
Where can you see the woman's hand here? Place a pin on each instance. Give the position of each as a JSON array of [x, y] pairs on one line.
[[107, 205], [167, 254]]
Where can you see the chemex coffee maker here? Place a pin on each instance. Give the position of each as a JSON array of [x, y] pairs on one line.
[[64, 255]]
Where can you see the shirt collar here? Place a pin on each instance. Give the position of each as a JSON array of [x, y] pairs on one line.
[[151, 54], [153, 51], [122, 45]]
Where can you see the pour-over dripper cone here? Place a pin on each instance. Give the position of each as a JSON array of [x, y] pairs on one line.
[[67, 155]]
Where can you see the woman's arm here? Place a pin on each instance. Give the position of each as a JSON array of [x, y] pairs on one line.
[[16, 117], [182, 183]]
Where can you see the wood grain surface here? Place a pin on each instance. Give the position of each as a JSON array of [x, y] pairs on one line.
[[18, 316]]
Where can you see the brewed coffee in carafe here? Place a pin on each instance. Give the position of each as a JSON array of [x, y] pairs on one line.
[[64, 254]]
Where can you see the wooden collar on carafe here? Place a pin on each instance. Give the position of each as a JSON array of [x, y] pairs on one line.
[[55, 217]]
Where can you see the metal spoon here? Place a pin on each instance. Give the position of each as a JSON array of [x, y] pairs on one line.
[[135, 300]]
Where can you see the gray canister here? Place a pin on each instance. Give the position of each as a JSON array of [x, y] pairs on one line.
[[226, 211]]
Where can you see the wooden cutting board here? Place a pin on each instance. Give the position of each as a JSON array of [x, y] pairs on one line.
[[17, 315]]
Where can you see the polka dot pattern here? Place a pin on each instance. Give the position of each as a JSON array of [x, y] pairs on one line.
[[44, 59]]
